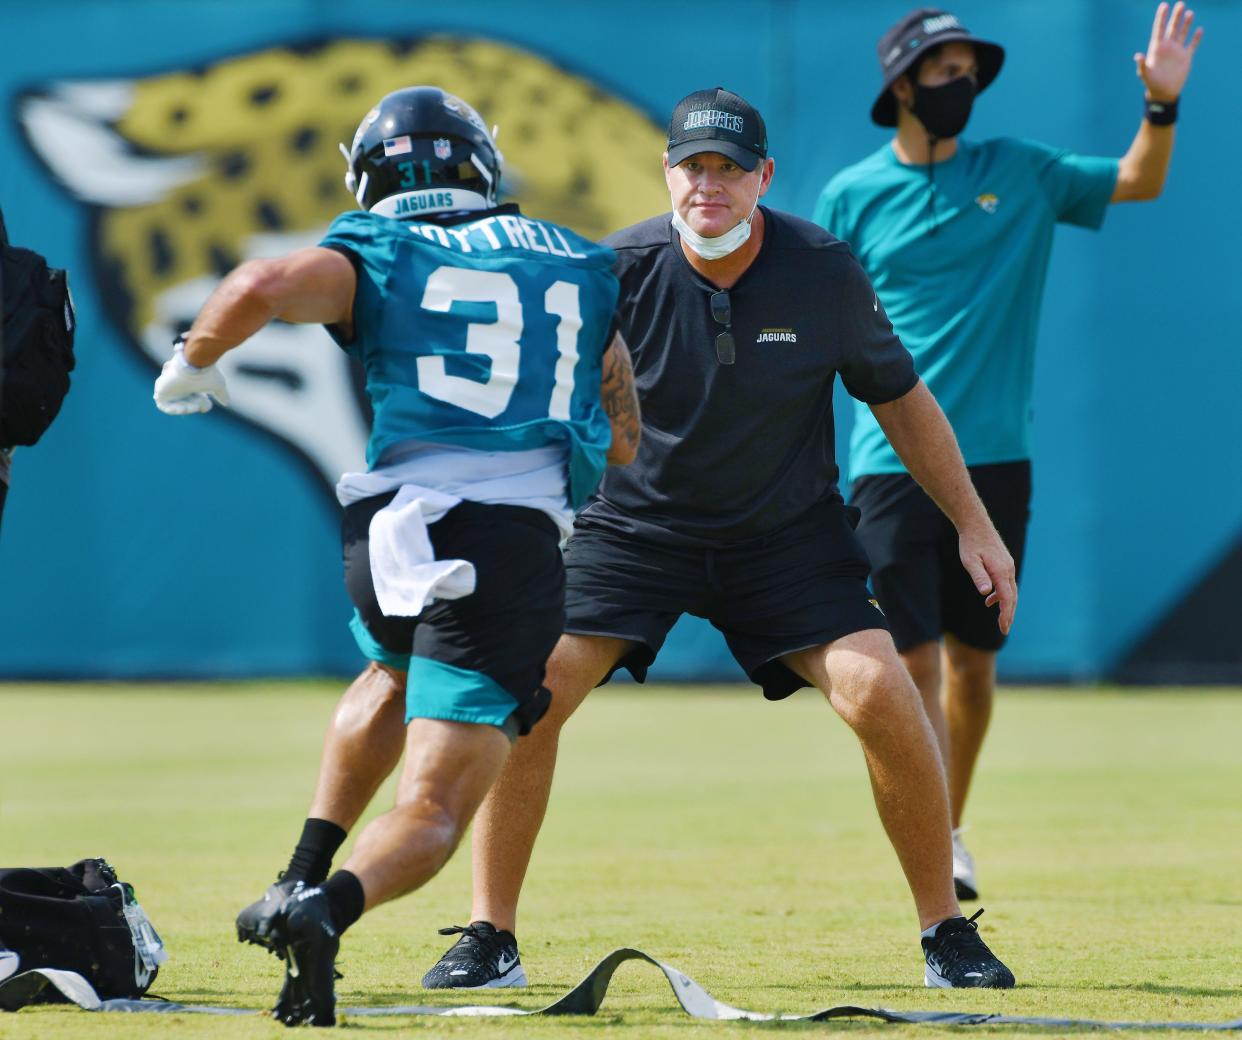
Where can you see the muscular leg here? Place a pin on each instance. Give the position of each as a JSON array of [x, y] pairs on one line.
[[923, 664], [509, 820], [448, 769], [865, 682], [361, 747], [970, 681]]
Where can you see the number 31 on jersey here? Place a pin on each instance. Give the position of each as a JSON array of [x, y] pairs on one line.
[[499, 340]]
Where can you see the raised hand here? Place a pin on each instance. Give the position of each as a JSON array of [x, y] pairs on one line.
[[1165, 66]]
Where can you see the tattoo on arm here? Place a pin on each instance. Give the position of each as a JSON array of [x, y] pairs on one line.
[[620, 400]]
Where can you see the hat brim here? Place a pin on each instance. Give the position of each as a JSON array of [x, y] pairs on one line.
[[989, 56], [744, 157]]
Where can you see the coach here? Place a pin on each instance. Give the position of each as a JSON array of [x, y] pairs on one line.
[[956, 236], [740, 318]]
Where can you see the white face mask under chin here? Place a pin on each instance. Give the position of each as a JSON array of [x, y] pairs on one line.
[[722, 245]]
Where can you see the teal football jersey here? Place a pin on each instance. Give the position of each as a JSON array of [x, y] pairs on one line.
[[486, 332]]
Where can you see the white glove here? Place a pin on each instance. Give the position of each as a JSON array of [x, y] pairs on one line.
[[183, 389]]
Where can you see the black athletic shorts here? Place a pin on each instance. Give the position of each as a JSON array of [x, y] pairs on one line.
[[479, 658], [916, 572], [801, 586]]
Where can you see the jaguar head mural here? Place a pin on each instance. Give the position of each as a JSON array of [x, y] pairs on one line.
[[190, 172]]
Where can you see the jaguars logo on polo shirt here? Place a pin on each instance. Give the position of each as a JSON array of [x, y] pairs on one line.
[[188, 173], [782, 335]]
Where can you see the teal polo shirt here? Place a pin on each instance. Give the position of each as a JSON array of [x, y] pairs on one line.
[[960, 264]]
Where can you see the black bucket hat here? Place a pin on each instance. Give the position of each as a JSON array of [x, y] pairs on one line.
[[909, 40]]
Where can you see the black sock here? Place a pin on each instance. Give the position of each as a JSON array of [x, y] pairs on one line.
[[312, 859], [345, 898]]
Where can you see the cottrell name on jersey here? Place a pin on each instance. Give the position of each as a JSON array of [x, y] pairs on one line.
[[503, 231]]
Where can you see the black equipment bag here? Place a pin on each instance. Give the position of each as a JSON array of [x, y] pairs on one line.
[[37, 338], [73, 918]]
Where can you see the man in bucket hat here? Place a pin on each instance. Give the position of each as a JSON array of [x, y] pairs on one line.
[[956, 237]]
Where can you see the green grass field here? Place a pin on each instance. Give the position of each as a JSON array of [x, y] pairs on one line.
[[732, 838]]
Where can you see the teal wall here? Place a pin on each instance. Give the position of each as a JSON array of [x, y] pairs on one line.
[[138, 545]]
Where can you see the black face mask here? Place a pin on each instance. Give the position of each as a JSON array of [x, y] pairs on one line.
[[945, 110]]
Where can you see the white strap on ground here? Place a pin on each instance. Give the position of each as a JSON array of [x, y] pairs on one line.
[[584, 999]]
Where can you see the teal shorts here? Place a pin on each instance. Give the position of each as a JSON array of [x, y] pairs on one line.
[[479, 658]]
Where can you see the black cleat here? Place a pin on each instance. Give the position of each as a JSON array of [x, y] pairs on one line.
[[482, 958], [956, 958], [290, 1000], [254, 924], [307, 941]]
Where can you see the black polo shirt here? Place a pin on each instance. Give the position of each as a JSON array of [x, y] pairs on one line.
[[730, 453]]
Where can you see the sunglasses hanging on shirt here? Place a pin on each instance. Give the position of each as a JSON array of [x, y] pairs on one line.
[[722, 312]]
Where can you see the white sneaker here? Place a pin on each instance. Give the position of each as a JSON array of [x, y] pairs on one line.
[[963, 869]]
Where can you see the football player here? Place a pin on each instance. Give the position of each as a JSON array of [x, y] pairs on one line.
[[500, 390]]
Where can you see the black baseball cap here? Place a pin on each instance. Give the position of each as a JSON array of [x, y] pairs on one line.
[[909, 40], [717, 120]]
